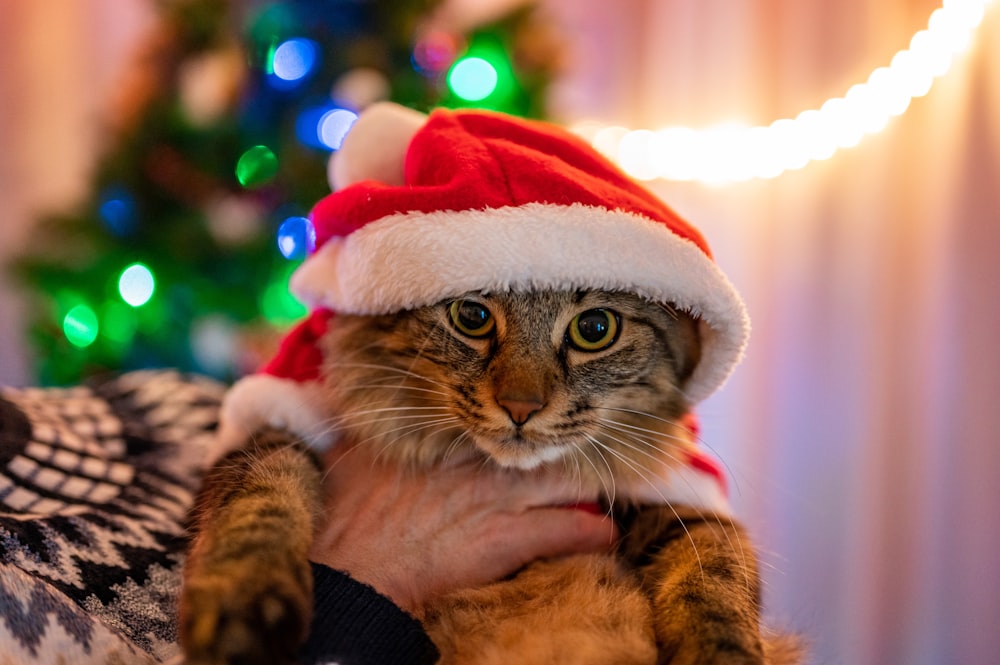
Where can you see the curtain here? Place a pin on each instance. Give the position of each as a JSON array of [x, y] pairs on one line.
[[861, 430]]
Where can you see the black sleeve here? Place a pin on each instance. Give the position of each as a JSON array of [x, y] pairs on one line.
[[353, 623]]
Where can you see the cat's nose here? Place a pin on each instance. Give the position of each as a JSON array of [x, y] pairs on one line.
[[520, 410]]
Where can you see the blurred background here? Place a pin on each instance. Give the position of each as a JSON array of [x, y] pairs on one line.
[[159, 158]]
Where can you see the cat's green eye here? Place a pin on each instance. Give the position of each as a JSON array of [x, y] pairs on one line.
[[471, 318], [593, 330]]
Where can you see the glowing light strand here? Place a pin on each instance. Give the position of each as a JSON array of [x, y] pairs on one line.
[[732, 153]]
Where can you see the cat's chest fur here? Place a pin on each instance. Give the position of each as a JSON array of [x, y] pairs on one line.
[[580, 610]]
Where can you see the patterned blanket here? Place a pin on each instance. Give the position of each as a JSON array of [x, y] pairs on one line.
[[95, 484]]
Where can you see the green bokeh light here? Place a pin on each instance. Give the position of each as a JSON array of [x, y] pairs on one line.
[[472, 78], [256, 166], [118, 322], [278, 305], [80, 326]]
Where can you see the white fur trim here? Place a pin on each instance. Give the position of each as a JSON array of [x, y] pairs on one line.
[[414, 259], [261, 400], [686, 486], [376, 145]]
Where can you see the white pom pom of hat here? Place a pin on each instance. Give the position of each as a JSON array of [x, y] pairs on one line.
[[380, 137]]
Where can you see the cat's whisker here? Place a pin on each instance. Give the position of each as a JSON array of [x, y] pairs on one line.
[[485, 465], [634, 446], [409, 430], [639, 443], [737, 548], [738, 545], [611, 492], [659, 448], [697, 439], [638, 471], [456, 442], [356, 419], [388, 368], [658, 434], [362, 422], [393, 409], [396, 384], [637, 412], [578, 470], [656, 438]]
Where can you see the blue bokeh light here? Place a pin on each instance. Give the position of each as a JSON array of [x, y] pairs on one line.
[[296, 238], [116, 208], [307, 126], [324, 127], [334, 126], [294, 59]]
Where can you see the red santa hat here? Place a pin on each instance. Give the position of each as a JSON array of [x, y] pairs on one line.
[[427, 208]]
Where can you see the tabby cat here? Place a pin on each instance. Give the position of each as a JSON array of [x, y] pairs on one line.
[[590, 381]]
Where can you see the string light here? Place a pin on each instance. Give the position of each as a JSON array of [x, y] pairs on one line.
[[80, 326], [117, 322], [277, 303], [294, 59], [296, 238], [732, 153], [116, 208], [307, 125], [136, 285], [256, 166], [324, 127], [472, 79], [433, 53], [333, 127]]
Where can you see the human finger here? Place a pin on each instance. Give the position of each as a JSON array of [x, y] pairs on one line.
[[544, 533]]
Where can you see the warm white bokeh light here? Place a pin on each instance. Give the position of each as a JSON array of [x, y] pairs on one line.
[[733, 153]]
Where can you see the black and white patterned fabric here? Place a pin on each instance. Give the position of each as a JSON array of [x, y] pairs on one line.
[[95, 485]]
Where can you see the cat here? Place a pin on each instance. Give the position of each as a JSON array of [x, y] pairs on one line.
[[591, 382]]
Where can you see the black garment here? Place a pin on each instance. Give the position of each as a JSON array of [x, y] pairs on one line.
[[353, 624]]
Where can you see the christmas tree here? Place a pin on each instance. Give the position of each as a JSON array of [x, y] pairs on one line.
[[198, 210]]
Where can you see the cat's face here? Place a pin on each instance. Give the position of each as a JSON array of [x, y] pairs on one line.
[[591, 379]]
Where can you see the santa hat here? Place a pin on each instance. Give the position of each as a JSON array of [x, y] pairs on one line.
[[427, 208]]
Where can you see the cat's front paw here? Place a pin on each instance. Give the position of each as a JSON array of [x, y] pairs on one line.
[[692, 650], [242, 620]]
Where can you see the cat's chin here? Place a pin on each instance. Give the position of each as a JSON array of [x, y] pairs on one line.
[[520, 455]]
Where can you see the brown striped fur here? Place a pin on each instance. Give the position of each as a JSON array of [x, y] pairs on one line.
[[682, 587]]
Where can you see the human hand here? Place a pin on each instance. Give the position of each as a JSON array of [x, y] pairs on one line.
[[416, 536]]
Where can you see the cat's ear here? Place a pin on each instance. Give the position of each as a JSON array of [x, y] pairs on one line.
[[686, 345], [375, 147]]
